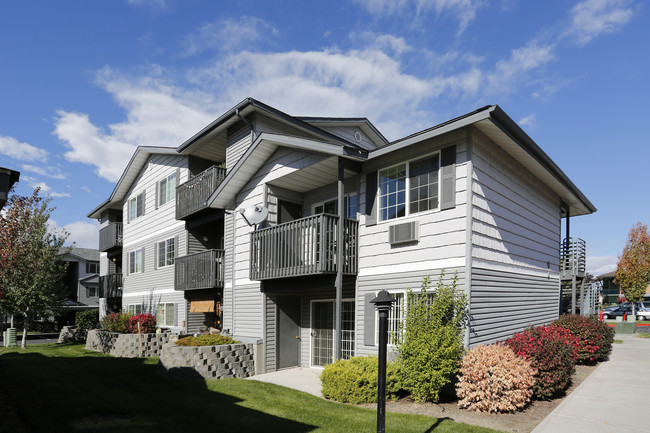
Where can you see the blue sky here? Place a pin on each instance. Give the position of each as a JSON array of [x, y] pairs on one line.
[[82, 83]]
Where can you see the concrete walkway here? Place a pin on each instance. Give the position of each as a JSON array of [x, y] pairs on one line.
[[614, 398], [302, 379]]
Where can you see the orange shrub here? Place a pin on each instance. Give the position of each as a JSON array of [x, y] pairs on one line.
[[494, 379]]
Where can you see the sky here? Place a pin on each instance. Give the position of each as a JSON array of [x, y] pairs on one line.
[[83, 83]]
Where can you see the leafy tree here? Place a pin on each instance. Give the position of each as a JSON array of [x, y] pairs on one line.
[[633, 268], [432, 338], [30, 271]]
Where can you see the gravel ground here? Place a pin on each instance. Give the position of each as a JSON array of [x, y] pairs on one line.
[[520, 422]]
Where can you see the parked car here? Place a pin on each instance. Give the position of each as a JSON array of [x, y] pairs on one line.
[[642, 311]]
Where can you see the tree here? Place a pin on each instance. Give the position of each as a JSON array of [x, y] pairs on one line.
[[633, 268], [31, 274], [431, 344]]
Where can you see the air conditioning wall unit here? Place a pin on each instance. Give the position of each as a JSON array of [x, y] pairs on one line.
[[404, 233]]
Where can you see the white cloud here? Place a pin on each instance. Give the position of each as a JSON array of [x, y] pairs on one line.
[[13, 148], [45, 188], [508, 73], [530, 121], [598, 265], [83, 234], [156, 4], [463, 10], [227, 34], [157, 115], [592, 18], [52, 172]]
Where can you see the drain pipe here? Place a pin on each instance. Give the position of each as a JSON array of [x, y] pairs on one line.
[[232, 270]]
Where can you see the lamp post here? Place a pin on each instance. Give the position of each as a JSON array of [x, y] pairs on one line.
[[383, 303]]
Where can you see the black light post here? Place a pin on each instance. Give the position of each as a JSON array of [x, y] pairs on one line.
[[383, 303]]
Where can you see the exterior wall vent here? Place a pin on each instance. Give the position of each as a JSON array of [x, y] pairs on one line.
[[404, 233]]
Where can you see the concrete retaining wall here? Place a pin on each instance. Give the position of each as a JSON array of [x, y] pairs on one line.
[[207, 362], [126, 345]]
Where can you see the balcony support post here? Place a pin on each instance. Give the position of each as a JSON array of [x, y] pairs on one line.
[[339, 262]]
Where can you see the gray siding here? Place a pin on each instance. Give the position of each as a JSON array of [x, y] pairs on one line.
[[270, 318]]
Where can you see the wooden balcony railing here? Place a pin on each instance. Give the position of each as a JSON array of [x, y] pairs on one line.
[[110, 286], [200, 270], [306, 246], [110, 236], [192, 195], [573, 258]]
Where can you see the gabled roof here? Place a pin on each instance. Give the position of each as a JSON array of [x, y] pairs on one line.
[[360, 122], [502, 130], [135, 165], [86, 254]]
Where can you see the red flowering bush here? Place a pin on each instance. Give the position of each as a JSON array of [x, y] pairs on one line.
[[596, 338], [552, 351], [147, 323]]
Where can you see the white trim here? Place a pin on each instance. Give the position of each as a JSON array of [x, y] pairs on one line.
[[149, 292], [311, 336], [159, 233], [428, 265]]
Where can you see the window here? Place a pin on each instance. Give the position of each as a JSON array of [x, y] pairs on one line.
[[167, 189], [165, 315], [136, 261], [92, 267], [136, 207], [414, 183], [166, 251], [92, 292], [331, 206], [396, 317], [135, 309]]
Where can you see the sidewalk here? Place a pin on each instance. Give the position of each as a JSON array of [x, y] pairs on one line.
[[614, 398], [302, 379]]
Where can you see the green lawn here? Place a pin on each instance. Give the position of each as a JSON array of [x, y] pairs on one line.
[[50, 388]]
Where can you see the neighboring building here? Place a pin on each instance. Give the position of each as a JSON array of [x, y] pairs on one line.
[[7, 179], [82, 276], [474, 196], [611, 290]]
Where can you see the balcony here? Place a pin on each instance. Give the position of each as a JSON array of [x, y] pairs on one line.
[[573, 254], [110, 237], [110, 286], [192, 196], [306, 246], [202, 270]]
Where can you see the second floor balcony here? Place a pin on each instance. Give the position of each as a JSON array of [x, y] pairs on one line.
[[192, 196], [110, 286], [306, 246], [202, 270], [110, 236]]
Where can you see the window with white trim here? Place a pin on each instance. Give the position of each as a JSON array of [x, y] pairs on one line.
[[136, 261], [165, 315], [167, 189], [135, 309], [92, 267], [136, 206], [92, 292], [331, 206], [409, 188], [166, 250], [397, 317]]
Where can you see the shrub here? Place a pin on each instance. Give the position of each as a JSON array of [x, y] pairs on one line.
[[552, 351], [147, 323], [596, 338], [494, 379], [206, 340], [432, 338], [86, 320], [116, 322], [355, 380]]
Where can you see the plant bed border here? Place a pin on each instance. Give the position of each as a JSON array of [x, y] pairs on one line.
[[126, 345], [207, 362]]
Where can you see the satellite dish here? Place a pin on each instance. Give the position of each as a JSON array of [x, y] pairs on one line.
[[254, 214]]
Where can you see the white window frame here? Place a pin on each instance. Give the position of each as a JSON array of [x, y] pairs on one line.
[[136, 269], [133, 309], [166, 306], [164, 260], [311, 313], [167, 193], [133, 207], [89, 264], [391, 314], [91, 290], [346, 204], [407, 188]]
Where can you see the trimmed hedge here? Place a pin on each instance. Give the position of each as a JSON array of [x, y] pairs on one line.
[[595, 337], [493, 379], [86, 320], [206, 340], [355, 380], [552, 351]]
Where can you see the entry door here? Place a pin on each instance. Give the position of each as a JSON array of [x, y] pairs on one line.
[[322, 331], [288, 327]]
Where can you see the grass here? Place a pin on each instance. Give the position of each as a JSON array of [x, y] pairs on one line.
[[618, 341], [50, 388], [643, 335]]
